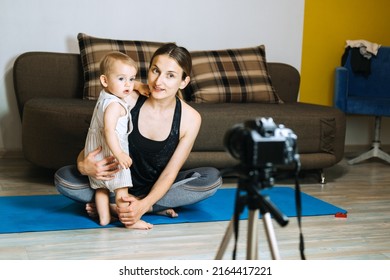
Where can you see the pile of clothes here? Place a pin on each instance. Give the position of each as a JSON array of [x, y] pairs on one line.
[[361, 52]]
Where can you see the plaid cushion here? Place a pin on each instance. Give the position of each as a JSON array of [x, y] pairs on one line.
[[231, 75], [93, 49]]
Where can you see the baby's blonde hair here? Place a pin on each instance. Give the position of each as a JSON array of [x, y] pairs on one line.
[[108, 60]]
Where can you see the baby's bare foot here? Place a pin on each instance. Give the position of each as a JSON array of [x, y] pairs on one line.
[[140, 225], [104, 220]]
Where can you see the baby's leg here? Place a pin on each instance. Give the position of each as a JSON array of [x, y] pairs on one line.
[[119, 194], [103, 206]]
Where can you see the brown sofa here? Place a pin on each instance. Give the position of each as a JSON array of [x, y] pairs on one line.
[[55, 117]]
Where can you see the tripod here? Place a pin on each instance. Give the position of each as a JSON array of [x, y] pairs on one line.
[[248, 194]]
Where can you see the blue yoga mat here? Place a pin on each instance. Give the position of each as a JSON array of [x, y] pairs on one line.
[[56, 212]]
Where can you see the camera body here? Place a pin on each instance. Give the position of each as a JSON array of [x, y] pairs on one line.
[[260, 142]]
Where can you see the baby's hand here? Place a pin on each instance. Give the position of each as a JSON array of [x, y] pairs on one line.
[[124, 160]]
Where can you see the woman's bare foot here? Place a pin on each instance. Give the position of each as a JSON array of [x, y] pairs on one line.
[[168, 212], [91, 210], [140, 225]]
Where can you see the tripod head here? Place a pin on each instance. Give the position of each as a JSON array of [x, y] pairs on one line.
[[250, 184]]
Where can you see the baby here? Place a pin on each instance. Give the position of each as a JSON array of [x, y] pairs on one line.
[[109, 129]]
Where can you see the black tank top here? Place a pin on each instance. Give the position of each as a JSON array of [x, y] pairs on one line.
[[150, 157]]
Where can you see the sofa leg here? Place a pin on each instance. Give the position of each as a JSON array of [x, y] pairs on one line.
[[317, 173], [322, 176]]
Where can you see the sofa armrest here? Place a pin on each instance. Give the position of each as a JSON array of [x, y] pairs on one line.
[[341, 88], [47, 74]]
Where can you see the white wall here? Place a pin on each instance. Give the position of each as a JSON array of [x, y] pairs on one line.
[[50, 25]]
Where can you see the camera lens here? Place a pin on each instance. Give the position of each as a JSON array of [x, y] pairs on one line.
[[234, 140]]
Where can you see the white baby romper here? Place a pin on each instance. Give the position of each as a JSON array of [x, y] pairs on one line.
[[95, 138]]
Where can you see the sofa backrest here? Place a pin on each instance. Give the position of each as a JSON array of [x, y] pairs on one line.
[[60, 75]]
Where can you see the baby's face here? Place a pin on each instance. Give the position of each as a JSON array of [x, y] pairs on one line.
[[120, 81]]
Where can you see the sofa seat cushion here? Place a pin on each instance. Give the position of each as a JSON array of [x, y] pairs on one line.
[[59, 125], [314, 125], [223, 159]]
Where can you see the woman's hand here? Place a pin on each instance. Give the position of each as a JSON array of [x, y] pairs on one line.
[[133, 212], [104, 169]]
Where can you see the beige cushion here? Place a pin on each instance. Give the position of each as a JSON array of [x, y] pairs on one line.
[[93, 49], [231, 75]]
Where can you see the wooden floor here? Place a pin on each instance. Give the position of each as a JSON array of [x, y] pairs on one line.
[[363, 190]]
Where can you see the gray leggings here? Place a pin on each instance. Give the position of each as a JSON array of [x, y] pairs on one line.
[[189, 187]]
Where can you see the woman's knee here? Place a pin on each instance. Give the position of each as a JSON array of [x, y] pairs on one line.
[[72, 184], [207, 177], [70, 177]]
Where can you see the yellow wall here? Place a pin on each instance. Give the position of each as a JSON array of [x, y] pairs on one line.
[[327, 25]]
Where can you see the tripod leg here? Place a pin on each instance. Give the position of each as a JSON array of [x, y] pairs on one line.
[[271, 236], [252, 252], [225, 240]]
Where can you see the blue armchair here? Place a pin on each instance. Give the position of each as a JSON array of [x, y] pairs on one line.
[[365, 93]]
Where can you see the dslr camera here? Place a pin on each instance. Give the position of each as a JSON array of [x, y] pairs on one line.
[[260, 142]]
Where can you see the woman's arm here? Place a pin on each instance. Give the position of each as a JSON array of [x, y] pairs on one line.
[[104, 169]]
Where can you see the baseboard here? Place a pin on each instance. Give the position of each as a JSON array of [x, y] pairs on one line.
[[11, 154]]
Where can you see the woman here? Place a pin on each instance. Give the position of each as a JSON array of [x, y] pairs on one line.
[[164, 132]]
